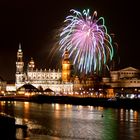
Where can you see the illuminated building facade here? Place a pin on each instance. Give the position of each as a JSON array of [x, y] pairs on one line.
[[66, 67], [56, 80], [124, 82], [2, 86], [61, 81], [127, 77]]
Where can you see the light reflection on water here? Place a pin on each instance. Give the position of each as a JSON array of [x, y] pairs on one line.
[[66, 122]]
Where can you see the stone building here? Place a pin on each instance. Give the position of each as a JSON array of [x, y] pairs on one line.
[[2, 86], [124, 82]]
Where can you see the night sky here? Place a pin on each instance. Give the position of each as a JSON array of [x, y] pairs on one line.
[[33, 24]]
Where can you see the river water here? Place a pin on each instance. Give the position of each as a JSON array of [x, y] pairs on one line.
[[73, 122]]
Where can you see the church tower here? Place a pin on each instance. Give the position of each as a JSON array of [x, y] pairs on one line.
[[66, 67], [31, 65], [19, 66]]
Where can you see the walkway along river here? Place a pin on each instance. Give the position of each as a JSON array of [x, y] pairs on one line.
[[104, 102]]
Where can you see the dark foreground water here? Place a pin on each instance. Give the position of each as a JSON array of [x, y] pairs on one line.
[[70, 122]]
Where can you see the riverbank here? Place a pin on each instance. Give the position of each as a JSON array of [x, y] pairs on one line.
[[104, 102], [8, 128]]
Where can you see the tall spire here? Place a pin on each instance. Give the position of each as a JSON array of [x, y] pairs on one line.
[[19, 50], [19, 67], [31, 65], [19, 54], [66, 55], [19, 63]]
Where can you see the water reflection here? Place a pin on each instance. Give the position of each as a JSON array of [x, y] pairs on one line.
[[128, 115], [62, 121]]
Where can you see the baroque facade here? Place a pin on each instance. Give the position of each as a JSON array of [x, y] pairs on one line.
[[56, 80], [127, 77], [124, 82]]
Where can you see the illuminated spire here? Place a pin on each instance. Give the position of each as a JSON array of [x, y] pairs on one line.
[[19, 63], [66, 55], [31, 65], [19, 50]]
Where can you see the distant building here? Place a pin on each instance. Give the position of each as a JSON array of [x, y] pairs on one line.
[[126, 80], [127, 77], [10, 88], [2, 86]]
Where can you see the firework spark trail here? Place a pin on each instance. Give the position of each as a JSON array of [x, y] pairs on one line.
[[87, 40]]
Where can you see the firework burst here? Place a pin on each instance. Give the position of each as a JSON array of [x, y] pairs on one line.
[[87, 41]]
